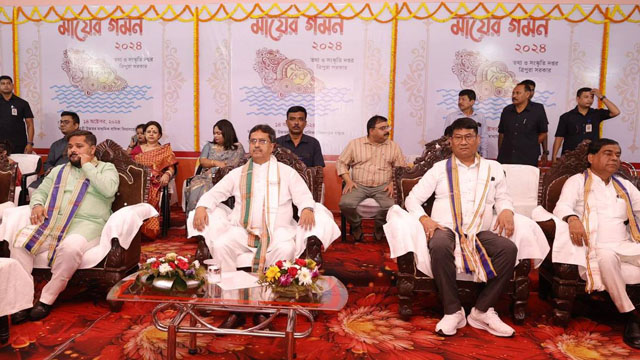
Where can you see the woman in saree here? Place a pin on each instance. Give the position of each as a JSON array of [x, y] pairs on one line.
[[162, 161], [224, 150]]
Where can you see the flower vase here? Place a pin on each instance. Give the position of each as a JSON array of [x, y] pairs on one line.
[[291, 292]]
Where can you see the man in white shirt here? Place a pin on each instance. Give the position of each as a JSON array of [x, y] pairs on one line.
[[600, 241], [466, 100], [260, 230], [459, 235]]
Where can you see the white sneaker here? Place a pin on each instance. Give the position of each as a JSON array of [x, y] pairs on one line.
[[449, 324], [490, 322]]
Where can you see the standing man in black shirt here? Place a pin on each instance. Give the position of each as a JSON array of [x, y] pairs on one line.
[[14, 114], [306, 147], [545, 146], [522, 129], [582, 122]]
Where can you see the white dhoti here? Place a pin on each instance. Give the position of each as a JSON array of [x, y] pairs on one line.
[[228, 243], [405, 234]]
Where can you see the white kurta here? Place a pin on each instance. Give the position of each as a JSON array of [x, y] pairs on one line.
[[288, 240], [610, 232], [405, 233], [609, 208]]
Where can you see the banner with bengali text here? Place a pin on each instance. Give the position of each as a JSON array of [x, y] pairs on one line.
[[344, 63], [489, 56], [115, 73], [253, 71]]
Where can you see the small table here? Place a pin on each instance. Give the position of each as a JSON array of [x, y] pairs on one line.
[[15, 281], [211, 297]]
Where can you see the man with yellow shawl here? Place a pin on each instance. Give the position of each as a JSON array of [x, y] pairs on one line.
[[604, 238], [68, 211], [260, 229]]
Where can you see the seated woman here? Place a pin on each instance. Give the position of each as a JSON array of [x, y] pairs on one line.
[[162, 161], [224, 150]]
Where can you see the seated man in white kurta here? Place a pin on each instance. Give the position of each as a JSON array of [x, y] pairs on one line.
[[260, 229], [462, 236], [68, 212], [600, 242]]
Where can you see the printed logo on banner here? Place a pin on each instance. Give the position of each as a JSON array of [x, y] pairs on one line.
[[96, 87], [493, 83], [286, 81]]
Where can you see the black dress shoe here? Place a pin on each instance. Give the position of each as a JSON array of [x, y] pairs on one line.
[[20, 317], [233, 321], [259, 319], [40, 311], [314, 249], [631, 335], [357, 233]]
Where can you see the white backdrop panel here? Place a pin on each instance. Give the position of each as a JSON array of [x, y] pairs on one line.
[[253, 71], [114, 73], [437, 60]]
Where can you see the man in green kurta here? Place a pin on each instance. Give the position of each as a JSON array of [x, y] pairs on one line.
[[68, 211]]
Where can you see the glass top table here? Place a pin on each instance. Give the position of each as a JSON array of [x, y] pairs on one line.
[[332, 297]]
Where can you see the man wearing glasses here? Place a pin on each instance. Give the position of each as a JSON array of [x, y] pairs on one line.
[[260, 229], [471, 232], [69, 122], [365, 166]]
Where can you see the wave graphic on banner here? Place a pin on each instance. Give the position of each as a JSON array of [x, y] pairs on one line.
[[262, 101], [490, 107], [119, 102]]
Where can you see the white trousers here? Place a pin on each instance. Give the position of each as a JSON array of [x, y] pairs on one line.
[[611, 274], [68, 258]]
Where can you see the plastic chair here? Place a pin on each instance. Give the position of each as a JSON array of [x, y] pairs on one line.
[[30, 166]]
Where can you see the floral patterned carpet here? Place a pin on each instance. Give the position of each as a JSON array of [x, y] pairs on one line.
[[369, 326]]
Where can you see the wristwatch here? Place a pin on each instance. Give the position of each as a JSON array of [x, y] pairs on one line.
[[546, 152], [30, 143]]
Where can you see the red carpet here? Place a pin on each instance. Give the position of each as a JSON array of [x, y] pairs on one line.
[[367, 328]]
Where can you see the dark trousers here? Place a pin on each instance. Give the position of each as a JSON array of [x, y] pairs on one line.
[[502, 253], [349, 202]]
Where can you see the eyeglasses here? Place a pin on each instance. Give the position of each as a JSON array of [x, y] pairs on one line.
[[467, 138], [259, 141], [383, 128]]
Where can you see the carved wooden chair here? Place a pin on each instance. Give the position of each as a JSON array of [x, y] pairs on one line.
[[8, 175], [134, 185], [411, 281], [314, 178], [562, 281]]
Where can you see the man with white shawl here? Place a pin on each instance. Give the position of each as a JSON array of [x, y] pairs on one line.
[[604, 236], [260, 230], [462, 236]]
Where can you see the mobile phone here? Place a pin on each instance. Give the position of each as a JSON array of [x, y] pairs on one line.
[[134, 139]]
